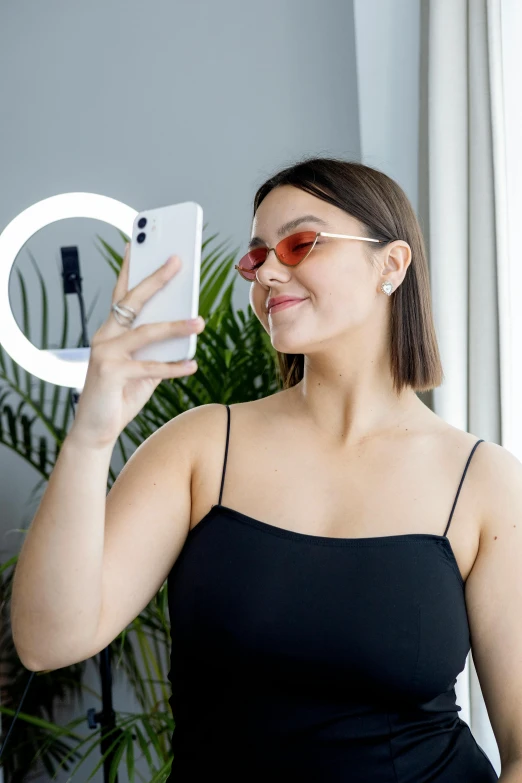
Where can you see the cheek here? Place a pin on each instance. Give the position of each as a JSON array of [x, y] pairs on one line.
[[340, 303], [341, 288]]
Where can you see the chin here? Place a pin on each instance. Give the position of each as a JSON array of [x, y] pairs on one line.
[[287, 345]]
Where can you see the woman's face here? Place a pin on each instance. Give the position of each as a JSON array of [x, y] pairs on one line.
[[341, 289]]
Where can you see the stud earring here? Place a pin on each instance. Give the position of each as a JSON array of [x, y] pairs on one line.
[[387, 287]]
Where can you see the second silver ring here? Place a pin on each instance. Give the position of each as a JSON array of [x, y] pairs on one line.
[[128, 314]]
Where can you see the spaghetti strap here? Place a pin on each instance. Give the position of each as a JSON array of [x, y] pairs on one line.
[[226, 455], [461, 482]]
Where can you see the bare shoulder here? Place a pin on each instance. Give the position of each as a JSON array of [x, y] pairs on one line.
[[499, 475], [199, 422], [207, 424], [208, 434], [497, 481], [203, 430]]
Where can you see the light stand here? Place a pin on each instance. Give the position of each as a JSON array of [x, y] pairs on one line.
[[72, 283]]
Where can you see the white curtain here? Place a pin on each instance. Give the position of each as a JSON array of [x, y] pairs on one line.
[[473, 153]]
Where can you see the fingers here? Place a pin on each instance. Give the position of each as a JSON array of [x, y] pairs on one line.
[[137, 296], [141, 293], [160, 370], [113, 343], [122, 283], [148, 333]]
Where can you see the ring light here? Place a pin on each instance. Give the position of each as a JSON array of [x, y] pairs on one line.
[[64, 366]]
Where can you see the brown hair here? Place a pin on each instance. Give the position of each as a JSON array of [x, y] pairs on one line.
[[385, 212]]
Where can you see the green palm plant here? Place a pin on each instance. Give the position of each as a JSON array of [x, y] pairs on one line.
[[236, 362]]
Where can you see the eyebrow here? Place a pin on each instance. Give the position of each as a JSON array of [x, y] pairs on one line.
[[288, 227]]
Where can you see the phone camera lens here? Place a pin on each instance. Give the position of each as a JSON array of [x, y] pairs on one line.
[[142, 222], [141, 237]]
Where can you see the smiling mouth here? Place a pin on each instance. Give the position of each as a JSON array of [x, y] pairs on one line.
[[285, 305]]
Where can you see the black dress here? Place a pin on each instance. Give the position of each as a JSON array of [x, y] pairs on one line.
[[298, 657]]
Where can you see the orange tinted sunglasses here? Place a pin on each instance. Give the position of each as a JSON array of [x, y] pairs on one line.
[[290, 251]]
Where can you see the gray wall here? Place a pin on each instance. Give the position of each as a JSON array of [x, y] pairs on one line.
[[387, 44], [152, 104], [183, 100]]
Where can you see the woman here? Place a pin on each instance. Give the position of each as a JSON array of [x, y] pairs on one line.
[[321, 605]]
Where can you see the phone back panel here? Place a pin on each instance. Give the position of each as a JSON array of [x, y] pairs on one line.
[[172, 230]]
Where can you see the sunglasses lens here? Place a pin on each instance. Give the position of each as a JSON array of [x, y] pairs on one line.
[[293, 249], [290, 251], [250, 263]]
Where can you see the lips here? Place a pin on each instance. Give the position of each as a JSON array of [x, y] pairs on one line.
[[277, 300], [284, 304]]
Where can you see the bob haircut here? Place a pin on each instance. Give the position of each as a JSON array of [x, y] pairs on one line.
[[385, 213]]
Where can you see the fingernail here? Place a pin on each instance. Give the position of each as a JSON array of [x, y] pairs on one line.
[[171, 261]]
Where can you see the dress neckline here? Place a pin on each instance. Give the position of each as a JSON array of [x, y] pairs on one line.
[[333, 540], [282, 532]]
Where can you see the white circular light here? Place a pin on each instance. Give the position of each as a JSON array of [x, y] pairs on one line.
[[67, 366]]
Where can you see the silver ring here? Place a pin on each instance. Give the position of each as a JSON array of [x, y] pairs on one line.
[[125, 312]]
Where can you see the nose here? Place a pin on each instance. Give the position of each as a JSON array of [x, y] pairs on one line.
[[269, 271]]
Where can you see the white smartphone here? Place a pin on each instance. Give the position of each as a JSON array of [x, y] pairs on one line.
[[156, 235]]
